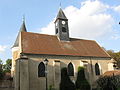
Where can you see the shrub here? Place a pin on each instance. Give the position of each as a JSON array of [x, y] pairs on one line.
[[81, 82], [66, 83], [109, 82], [51, 87]]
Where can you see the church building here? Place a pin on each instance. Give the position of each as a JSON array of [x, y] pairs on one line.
[[31, 50]]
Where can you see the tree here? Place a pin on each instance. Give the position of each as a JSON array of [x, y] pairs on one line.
[[1, 70], [1, 64], [7, 66], [81, 82], [115, 56]]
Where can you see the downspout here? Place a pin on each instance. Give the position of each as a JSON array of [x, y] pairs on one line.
[[91, 65], [91, 71], [19, 74], [28, 75]]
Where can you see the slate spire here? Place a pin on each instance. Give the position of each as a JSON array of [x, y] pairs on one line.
[[22, 29], [61, 15]]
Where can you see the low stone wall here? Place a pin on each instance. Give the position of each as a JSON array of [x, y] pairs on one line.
[[6, 85], [1, 88]]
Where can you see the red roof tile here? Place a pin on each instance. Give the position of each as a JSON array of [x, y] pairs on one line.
[[111, 73], [34, 43]]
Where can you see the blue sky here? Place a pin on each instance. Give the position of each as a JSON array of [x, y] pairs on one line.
[[88, 19]]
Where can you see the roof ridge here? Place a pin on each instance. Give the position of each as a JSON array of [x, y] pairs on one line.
[[39, 33], [56, 36], [83, 39]]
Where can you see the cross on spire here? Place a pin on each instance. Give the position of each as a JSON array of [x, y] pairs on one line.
[[60, 4], [23, 27], [23, 18]]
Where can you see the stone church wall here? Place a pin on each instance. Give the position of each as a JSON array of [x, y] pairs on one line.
[[29, 70], [35, 82], [57, 62], [55, 65]]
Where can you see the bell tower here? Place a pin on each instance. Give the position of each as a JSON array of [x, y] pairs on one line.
[[61, 26]]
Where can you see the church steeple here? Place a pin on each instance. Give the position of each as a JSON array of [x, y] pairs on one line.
[[61, 26], [22, 29], [61, 15]]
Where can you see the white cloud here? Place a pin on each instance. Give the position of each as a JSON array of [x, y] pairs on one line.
[[91, 21], [93, 7], [117, 9], [2, 48], [49, 29], [116, 35]]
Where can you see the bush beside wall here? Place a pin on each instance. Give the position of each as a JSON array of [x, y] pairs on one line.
[[81, 82]]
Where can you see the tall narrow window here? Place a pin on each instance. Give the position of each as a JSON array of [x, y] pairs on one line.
[[56, 30], [41, 70], [97, 69], [70, 69]]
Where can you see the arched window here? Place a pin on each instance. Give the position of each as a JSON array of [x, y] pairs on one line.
[[70, 69], [63, 29], [97, 69], [56, 30], [41, 70]]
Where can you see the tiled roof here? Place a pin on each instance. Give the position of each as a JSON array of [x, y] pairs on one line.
[[111, 73], [34, 43]]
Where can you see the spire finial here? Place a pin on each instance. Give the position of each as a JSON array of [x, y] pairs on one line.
[[23, 27], [23, 18], [60, 4]]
